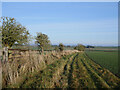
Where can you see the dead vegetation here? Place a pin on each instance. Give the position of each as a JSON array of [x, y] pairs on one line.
[[22, 63], [72, 71]]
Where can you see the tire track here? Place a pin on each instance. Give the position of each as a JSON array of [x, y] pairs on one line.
[[105, 74], [73, 71], [63, 81], [63, 69], [99, 82], [48, 77], [84, 79], [70, 76]]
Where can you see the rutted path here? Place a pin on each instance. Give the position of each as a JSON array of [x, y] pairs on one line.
[[48, 78], [72, 71]]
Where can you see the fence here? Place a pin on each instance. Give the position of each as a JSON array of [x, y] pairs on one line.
[[18, 53], [0, 69], [10, 54]]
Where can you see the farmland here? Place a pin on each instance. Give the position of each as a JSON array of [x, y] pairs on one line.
[[59, 45], [107, 59], [101, 48], [74, 70]]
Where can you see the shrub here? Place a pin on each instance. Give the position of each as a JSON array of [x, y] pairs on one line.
[[80, 47], [61, 47]]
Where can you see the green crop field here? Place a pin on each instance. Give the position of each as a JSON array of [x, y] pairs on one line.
[[71, 71], [108, 60], [102, 49]]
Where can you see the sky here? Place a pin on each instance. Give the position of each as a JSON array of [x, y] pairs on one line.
[[88, 23]]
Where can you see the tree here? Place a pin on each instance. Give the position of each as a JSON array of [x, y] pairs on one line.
[[68, 46], [75, 47], [80, 47], [42, 41], [61, 47], [57, 49], [88, 46], [13, 32]]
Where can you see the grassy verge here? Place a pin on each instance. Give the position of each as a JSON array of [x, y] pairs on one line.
[[108, 60], [71, 71]]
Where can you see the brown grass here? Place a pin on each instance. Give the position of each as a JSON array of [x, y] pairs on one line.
[[21, 64]]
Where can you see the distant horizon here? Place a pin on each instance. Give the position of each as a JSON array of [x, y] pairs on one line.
[[70, 23], [85, 45]]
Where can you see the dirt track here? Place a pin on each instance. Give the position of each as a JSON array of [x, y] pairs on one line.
[[72, 71]]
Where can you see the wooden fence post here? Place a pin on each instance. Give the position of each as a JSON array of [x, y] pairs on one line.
[[5, 54], [0, 69]]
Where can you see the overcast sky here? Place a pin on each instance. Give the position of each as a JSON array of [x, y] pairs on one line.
[[93, 23]]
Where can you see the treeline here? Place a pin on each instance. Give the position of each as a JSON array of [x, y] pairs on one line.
[[15, 35]]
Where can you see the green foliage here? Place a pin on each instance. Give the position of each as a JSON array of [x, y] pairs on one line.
[[89, 46], [13, 32], [61, 47], [80, 47], [42, 41], [57, 49]]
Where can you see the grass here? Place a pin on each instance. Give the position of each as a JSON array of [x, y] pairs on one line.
[[22, 64], [108, 60], [102, 49], [75, 70]]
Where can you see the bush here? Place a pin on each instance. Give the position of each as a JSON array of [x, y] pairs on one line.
[[57, 49], [61, 47], [80, 47]]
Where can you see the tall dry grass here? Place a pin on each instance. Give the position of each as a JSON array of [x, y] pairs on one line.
[[21, 64], [0, 69]]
